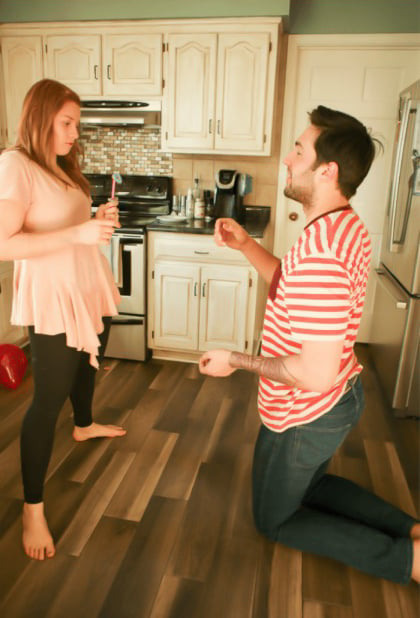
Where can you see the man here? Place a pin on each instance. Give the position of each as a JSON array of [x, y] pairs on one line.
[[310, 393]]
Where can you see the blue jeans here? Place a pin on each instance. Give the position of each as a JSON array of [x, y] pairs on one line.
[[297, 504]]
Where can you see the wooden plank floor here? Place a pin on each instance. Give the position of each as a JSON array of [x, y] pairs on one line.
[[158, 524]]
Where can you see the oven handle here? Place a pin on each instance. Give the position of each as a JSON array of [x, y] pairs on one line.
[[139, 239], [138, 275], [127, 321], [131, 248]]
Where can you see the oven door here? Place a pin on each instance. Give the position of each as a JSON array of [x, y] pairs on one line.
[[126, 256], [127, 338]]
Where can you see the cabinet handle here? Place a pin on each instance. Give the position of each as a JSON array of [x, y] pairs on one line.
[[195, 288], [201, 252], [204, 290], [210, 123], [108, 71], [218, 127], [95, 71]]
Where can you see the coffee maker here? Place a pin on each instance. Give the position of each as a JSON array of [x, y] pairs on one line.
[[231, 186]]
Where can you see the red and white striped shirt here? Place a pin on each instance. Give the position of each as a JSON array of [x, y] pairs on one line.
[[319, 297]]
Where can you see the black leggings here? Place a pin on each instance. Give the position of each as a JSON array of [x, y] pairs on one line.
[[59, 372]]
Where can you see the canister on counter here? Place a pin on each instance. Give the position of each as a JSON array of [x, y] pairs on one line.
[[199, 209]]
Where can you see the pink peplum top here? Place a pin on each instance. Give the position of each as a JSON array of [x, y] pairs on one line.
[[65, 291]]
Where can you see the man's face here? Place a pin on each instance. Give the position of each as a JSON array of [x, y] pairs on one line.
[[300, 167]]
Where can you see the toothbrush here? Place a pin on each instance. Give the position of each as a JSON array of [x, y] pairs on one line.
[[116, 178]]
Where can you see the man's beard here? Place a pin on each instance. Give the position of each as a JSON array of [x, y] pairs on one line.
[[299, 194]]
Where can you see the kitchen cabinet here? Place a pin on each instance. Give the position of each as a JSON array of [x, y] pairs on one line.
[[3, 121], [8, 332], [75, 61], [200, 307], [200, 297], [216, 77], [219, 92], [109, 64], [22, 66]]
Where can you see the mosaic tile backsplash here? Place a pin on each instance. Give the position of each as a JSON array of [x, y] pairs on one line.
[[128, 150]]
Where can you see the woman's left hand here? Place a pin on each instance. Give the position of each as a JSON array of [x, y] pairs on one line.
[[109, 211]]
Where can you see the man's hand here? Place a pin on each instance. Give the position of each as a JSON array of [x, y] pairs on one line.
[[229, 232], [216, 363]]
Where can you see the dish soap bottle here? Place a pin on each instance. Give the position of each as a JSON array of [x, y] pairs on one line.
[[189, 205]]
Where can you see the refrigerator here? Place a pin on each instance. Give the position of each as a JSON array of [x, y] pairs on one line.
[[396, 314]]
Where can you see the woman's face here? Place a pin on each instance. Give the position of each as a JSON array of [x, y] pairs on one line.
[[66, 128]]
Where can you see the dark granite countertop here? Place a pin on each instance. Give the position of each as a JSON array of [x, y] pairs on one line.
[[256, 220]]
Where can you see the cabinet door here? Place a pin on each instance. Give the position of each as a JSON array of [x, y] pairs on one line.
[[3, 121], [8, 333], [223, 309], [242, 67], [190, 92], [22, 67], [176, 302], [75, 61], [132, 64]]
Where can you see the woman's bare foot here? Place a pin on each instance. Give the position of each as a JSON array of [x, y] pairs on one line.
[[37, 540], [97, 431], [415, 572], [415, 531]]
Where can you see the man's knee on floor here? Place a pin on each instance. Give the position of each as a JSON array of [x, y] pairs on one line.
[[268, 523]]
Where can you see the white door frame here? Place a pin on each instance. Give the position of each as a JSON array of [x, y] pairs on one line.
[[296, 44]]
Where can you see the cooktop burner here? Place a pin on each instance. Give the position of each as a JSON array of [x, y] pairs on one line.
[[141, 198]]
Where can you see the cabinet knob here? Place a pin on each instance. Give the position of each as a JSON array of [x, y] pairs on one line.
[[108, 71], [95, 71], [293, 216]]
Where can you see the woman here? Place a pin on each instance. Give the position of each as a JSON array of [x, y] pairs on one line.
[[63, 288]]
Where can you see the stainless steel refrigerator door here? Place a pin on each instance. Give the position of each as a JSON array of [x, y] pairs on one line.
[[401, 244], [394, 343]]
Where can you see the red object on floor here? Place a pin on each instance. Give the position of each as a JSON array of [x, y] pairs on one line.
[[13, 363]]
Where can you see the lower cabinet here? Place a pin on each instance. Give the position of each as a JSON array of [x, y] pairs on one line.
[[200, 307], [199, 301], [8, 333]]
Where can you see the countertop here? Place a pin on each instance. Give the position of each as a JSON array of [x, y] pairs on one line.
[[256, 220]]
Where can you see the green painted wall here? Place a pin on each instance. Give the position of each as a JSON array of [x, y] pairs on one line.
[[354, 16], [61, 10], [301, 16]]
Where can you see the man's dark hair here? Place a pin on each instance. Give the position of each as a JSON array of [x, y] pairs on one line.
[[346, 141]]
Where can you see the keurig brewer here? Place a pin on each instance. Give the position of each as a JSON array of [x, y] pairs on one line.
[[230, 189]]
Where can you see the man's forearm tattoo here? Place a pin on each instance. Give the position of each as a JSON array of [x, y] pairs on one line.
[[272, 368]]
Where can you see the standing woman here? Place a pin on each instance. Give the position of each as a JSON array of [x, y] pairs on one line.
[[63, 287]]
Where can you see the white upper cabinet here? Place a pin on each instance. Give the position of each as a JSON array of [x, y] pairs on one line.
[[132, 64], [190, 93], [75, 61], [106, 65], [216, 76], [219, 92], [22, 67], [241, 91]]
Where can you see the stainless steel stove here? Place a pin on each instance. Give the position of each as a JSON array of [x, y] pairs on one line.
[[141, 200]]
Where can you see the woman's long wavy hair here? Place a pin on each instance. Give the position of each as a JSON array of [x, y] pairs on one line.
[[36, 132]]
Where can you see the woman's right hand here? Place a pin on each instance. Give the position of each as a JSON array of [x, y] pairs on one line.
[[94, 232]]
